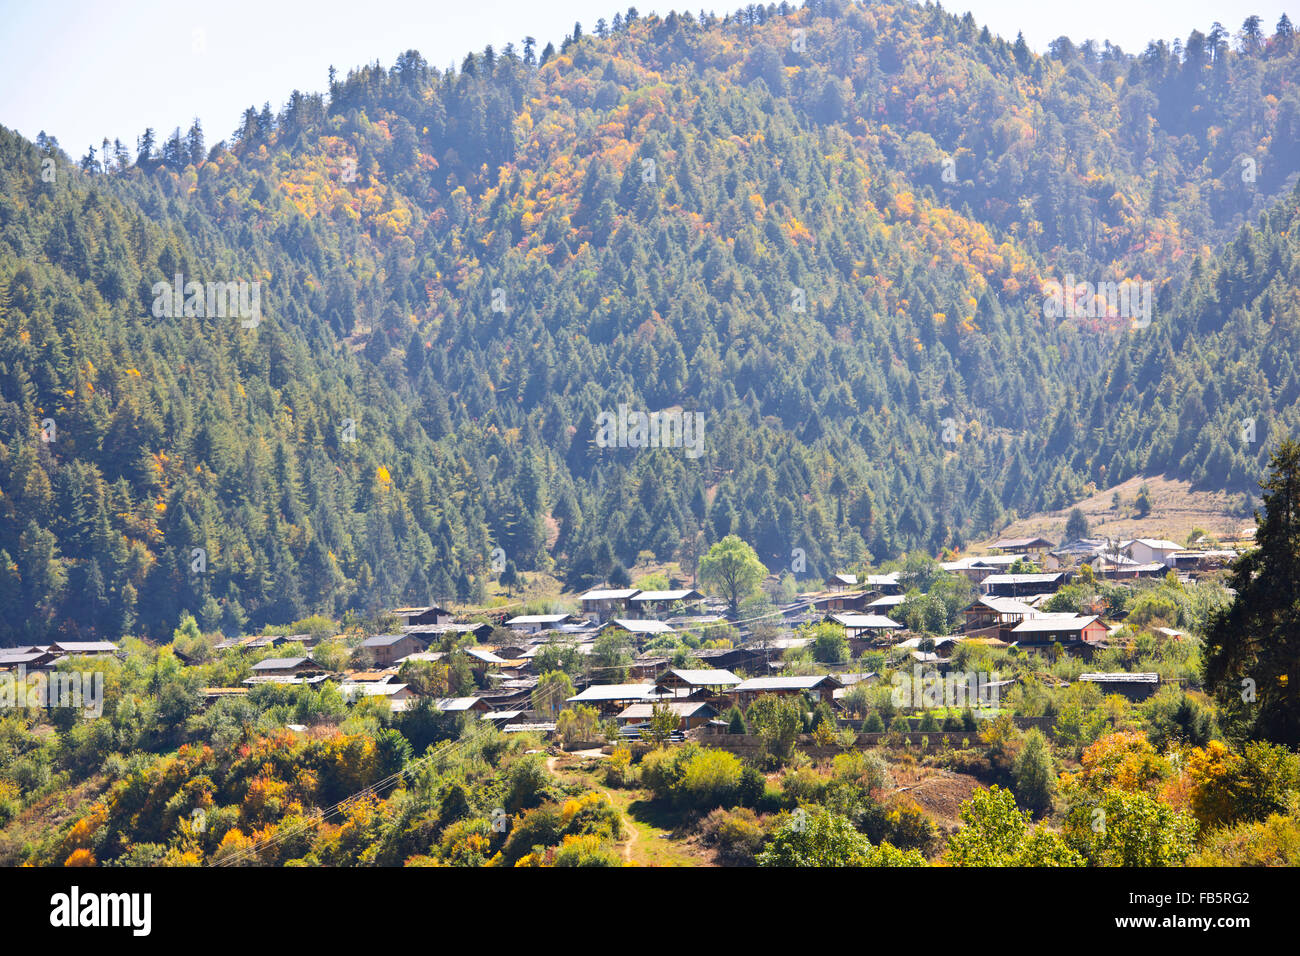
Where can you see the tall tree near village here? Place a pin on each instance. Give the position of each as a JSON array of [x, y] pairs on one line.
[[1252, 650], [733, 568]]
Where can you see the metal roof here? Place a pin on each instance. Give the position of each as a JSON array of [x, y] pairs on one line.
[[704, 678], [614, 692], [806, 682]]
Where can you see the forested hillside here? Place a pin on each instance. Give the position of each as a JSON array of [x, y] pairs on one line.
[[825, 229]]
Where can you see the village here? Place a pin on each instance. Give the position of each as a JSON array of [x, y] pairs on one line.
[[679, 651]]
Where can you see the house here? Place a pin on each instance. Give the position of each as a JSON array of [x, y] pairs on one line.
[[283, 667], [841, 601], [995, 614], [482, 660], [1151, 550], [83, 648], [644, 629], [1023, 546], [684, 683], [428, 632], [1020, 585], [599, 604], [822, 686], [398, 696], [731, 658], [690, 713], [506, 719], [1121, 567], [647, 666], [1063, 629], [461, 705], [426, 656], [536, 623], [857, 626], [387, 649], [416, 616], [976, 569], [883, 583], [883, 605], [29, 660], [1073, 552], [1135, 687], [842, 580], [609, 699], [648, 603], [252, 642]]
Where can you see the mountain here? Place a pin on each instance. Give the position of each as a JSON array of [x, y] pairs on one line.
[[824, 230]]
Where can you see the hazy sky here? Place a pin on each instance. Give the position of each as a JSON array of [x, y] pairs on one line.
[[82, 71]]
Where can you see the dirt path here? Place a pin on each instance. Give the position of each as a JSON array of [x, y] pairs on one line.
[[628, 823]]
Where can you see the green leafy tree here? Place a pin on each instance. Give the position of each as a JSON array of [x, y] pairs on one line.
[[1252, 648], [733, 568], [819, 837], [778, 721], [1033, 773]]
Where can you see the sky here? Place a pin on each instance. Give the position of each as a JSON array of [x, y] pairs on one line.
[[81, 71]]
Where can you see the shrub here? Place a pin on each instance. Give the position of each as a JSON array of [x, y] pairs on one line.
[[815, 838], [910, 829], [711, 779], [1033, 773], [737, 835]]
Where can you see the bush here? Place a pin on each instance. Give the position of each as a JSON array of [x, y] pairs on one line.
[[737, 835], [617, 770], [802, 786], [694, 777], [816, 838], [711, 779], [1033, 773], [910, 829], [736, 720]]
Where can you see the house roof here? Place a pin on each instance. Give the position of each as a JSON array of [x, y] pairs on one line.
[[703, 678], [1054, 622], [876, 621], [281, 663], [642, 627], [417, 611], [803, 682], [12, 660], [450, 704], [1081, 546], [1121, 678], [1157, 544], [845, 578], [384, 640], [682, 708], [889, 600], [487, 657], [1004, 543], [1004, 605], [538, 619], [1045, 578], [614, 692], [683, 594], [422, 656], [371, 689], [85, 647], [609, 594]]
